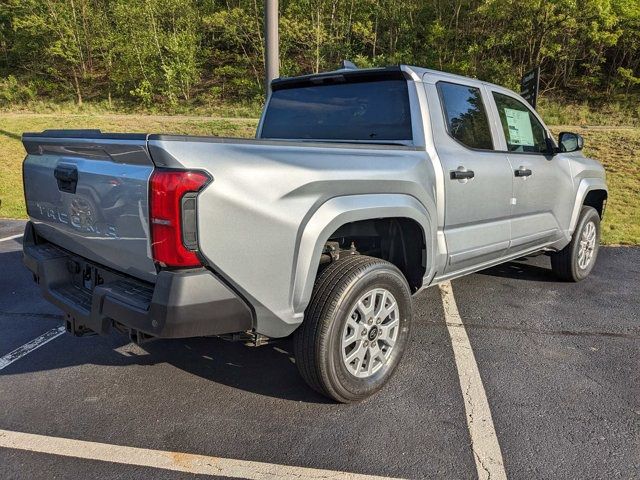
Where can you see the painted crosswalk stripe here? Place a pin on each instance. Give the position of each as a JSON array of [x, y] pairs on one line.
[[484, 441], [167, 460], [29, 347]]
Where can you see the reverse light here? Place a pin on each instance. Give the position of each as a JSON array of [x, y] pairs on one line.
[[172, 210]]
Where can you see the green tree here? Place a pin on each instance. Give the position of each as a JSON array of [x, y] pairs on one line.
[[188, 51]]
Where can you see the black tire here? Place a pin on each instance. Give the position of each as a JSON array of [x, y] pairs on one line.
[[317, 343], [565, 263]]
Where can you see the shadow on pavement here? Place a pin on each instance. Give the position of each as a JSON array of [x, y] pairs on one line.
[[266, 370], [262, 370], [522, 271]]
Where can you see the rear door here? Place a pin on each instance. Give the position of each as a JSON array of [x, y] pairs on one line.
[[542, 183], [88, 193], [477, 178]]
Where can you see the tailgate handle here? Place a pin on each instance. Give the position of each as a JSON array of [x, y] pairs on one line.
[[67, 176]]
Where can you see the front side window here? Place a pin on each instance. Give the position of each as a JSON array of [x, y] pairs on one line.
[[465, 115], [522, 130]]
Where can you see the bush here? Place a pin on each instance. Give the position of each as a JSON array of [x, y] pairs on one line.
[[13, 91]]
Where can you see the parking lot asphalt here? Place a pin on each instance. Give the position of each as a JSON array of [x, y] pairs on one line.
[[559, 363]]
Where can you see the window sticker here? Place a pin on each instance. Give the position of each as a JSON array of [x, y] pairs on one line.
[[519, 123]]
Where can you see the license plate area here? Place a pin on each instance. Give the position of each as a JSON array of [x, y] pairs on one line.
[[84, 275]]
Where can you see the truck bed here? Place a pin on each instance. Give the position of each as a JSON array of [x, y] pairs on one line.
[[88, 192]]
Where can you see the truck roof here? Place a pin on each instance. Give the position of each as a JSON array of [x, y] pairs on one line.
[[418, 74]]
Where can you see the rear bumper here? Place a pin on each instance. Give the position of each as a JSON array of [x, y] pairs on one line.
[[180, 304]]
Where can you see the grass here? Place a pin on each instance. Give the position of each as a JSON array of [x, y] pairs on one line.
[[204, 107], [618, 148], [619, 151], [622, 110]]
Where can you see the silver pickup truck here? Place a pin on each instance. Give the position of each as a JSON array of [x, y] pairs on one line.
[[362, 187]]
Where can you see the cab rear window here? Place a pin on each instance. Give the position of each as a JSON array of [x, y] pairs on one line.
[[362, 111]]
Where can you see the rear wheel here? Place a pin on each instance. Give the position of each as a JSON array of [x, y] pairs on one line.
[[356, 328], [575, 261]]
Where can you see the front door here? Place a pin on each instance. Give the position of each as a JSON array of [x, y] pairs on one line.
[[478, 179], [542, 183]]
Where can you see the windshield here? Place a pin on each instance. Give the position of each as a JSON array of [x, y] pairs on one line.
[[362, 111]]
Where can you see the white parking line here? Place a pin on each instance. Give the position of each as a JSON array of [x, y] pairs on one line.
[[176, 461], [29, 347], [484, 441], [11, 237]]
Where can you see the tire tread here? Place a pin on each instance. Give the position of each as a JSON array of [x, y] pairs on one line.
[[310, 340], [563, 261], [305, 344]]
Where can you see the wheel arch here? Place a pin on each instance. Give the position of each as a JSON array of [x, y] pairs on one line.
[[597, 199], [340, 211], [590, 192]]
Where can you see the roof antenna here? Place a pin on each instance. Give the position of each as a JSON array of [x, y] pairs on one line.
[[347, 65]]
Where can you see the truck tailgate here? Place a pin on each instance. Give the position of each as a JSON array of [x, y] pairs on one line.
[[87, 192]]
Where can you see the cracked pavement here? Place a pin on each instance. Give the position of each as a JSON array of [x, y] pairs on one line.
[[559, 363]]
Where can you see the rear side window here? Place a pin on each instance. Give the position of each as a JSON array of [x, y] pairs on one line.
[[465, 115], [363, 111], [522, 130]]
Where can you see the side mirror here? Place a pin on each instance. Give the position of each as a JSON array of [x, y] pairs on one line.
[[570, 142]]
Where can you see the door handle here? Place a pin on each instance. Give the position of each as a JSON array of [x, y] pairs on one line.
[[462, 174], [523, 172]]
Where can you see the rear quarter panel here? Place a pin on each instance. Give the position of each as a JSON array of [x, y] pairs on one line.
[[253, 215]]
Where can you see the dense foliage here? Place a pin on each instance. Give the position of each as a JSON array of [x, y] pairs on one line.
[[188, 51]]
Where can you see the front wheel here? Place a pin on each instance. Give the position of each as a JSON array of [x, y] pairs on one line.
[[575, 261], [355, 329]]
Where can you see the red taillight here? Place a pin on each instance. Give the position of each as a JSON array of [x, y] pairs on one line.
[[168, 187]]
